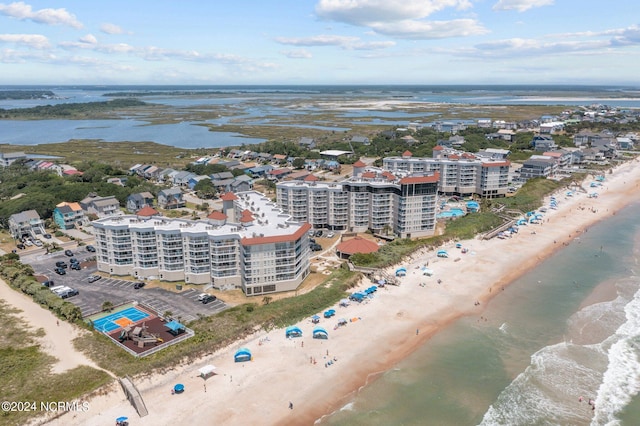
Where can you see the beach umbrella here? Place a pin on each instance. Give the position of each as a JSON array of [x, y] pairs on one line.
[[179, 388], [122, 419]]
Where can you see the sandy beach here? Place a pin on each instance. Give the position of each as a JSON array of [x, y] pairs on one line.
[[378, 334]]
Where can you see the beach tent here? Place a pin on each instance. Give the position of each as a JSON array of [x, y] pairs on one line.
[[368, 291], [428, 272], [458, 245], [320, 333], [329, 313], [293, 331], [344, 302], [357, 297], [242, 355], [179, 388], [401, 272], [207, 371], [442, 253], [315, 319]]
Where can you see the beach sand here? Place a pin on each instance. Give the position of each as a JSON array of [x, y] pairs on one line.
[[390, 326]]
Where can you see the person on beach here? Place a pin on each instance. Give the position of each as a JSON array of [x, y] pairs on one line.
[[290, 405]]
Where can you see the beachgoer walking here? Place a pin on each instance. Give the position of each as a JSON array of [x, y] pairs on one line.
[[417, 331], [58, 322], [290, 405], [205, 388]]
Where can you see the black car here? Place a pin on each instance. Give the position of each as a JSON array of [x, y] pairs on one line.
[[48, 283], [60, 271], [76, 266], [208, 298], [47, 236], [316, 247], [138, 285], [68, 253], [92, 249], [318, 233], [20, 246], [74, 260], [61, 264]]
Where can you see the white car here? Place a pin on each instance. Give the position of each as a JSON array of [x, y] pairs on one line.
[[331, 234], [38, 243], [28, 243]]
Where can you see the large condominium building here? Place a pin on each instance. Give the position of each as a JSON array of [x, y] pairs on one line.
[[376, 201], [461, 174], [250, 244]]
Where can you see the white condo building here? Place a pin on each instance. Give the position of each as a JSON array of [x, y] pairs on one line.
[[251, 245], [375, 201], [461, 174]]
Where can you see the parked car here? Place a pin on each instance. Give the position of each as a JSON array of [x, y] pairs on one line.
[[93, 278], [47, 236], [76, 266], [316, 247], [20, 246], [319, 233], [331, 234], [208, 298], [60, 271], [28, 243], [61, 264], [48, 283], [68, 253], [38, 243], [69, 293], [91, 248], [138, 285], [74, 260]]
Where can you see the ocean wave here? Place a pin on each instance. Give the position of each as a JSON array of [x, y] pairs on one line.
[[621, 380]]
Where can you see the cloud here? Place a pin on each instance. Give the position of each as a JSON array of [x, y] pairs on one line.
[[366, 12], [403, 19], [34, 41], [23, 12], [521, 5], [430, 30], [108, 28], [344, 42], [296, 54], [11, 56]]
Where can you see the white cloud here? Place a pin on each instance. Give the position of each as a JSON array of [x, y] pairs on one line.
[[344, 42], [89, 39], [108, 28], [296, 54], [365, 12], [35, 41], [521, 5], [430, 30], [23, 11]]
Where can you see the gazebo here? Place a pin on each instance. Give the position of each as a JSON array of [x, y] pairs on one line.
[[356, 245]]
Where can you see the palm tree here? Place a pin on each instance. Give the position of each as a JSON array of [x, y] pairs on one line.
[[267, 299], [107, 306]]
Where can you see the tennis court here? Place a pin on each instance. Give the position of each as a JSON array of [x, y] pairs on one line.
[[127, 316]]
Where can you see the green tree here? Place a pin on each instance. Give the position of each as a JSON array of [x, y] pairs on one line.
[[107, 306]]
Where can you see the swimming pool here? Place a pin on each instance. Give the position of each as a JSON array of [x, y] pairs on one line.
[[120, 319], [451, 213]]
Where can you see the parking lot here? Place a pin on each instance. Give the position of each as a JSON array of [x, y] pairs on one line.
[[183, 305]]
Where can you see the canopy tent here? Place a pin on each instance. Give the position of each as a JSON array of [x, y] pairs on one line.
[[207, 371], [426, 271], [179, 388], [442, 253], [315, 319], [344, 302], [242, 355], [320, 333], [358, 297], [175, 327], [329, 313], [293, 331], [401, 272]]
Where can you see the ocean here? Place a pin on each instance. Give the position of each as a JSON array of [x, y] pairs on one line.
[[565, 333]]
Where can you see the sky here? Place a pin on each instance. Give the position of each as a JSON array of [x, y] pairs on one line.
[[281, 42]]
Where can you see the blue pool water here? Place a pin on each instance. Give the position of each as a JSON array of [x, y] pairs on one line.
[[108, 324], [452, 213]]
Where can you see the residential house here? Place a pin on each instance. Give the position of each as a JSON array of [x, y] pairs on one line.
[[260, 171], [543, 143], [308, 143], [68, 215], [182, 178], [279, 174], [194, 180], [8, 158], [171, 198], [100, 206], [136, 202], [25, 224], [360, 139], [242, 183], [537, 168]]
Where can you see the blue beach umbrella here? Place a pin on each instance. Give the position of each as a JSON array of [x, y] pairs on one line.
[[122, 419]]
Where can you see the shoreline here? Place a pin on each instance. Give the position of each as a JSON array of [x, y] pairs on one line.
[[389, 327]]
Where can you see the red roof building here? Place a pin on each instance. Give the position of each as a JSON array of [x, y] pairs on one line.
[[356, 245], [147, 211], [228, 196], [216, 215], [359, 163]]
